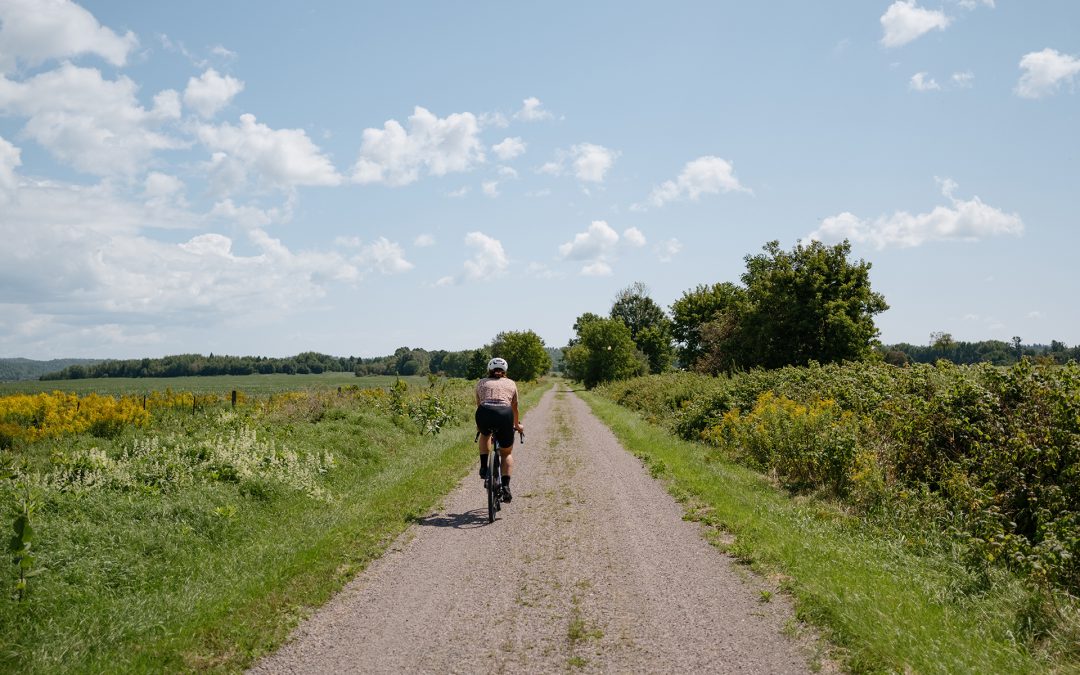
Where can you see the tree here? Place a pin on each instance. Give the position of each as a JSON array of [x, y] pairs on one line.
[[701, 306], [525, 353], [810, 304], [650, 328], [603, 351], [478, 361]]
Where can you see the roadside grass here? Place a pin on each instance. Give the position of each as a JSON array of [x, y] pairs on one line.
[[886, 603], [210, 384], [212, 574]]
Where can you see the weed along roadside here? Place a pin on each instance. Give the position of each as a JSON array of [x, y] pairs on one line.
[[889, 600], [197, 541]]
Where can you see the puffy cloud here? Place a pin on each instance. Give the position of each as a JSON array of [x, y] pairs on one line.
[[281, 158], [905, 21], [1044, 73], [972, 4], [667, 250], [166, 105], [532, 111], [509, 148], [704, 175], [395, 156], [35, 31], [634, 237], [968, 220], [490, 188], [963, 80], [594, 242], [923, 82], [597, 268], [95, 125], [385, 256], [592, 162], [9, 160], [508, 172], [211, 91], [489, 260], [161, 189], [424, 240], [496, 119]]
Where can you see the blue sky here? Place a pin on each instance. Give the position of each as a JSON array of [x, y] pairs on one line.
[[264, 178]]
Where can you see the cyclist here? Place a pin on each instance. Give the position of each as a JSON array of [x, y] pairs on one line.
[[497, 408]]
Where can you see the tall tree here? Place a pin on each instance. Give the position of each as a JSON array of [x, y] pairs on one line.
[[602, 352], [525, 353], [705, 305], [808, 304], [650, 328]]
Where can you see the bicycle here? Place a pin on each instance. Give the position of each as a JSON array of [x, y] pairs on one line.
[[493, 483]]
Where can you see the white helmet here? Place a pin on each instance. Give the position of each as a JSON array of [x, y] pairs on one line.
[[497, 363]]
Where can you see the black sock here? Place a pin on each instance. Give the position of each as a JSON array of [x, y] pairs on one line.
[[483, 461], [506, 481]]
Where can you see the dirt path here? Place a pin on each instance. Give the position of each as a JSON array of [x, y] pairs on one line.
[[590, 569]]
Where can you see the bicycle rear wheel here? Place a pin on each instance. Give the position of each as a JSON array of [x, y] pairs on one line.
[[492, 496]]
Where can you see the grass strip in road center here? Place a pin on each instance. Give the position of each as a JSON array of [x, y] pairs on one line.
[[885, 608]]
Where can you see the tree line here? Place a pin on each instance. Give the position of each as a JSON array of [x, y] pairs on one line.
[[812, 303], [525, 350]]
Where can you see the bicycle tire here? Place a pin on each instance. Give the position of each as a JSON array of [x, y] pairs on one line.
[[493, 482]]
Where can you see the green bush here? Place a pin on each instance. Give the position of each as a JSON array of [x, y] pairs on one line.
[[988, 454]]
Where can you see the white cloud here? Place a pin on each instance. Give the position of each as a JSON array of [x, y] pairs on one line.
[[281, 158], [596, 241], [597, 268], [94, 125], [969, 220], [9, 160], [221, 51], [489, 261], [460, 192], [424, 240], [923, 82], [634, 237], [161, 189], [704, 175], [1035, 315], [248, 216], [35, 31], [509, 148], [905, 21], [963, 80], [211, 91], [532, 111], [1045, 72], [496, 119], [166, 105], [508, 172], [385, 256], [551, 168], [395, 156], [667, 250], [592, 162], [972, 4], [490, 188]]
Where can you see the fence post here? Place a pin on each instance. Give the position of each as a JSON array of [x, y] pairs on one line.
[[234, 398], [192, 403], [144, 401]]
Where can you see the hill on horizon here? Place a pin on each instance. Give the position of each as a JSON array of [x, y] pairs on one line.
[[28, 369]]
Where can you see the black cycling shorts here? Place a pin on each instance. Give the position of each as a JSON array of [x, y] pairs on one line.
[[497, 417]]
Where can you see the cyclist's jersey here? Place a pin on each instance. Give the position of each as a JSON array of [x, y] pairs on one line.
[[496, 391]]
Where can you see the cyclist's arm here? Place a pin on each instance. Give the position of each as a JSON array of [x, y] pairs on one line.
[[517, 420]]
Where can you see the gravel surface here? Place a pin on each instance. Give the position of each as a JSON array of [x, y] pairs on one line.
[[590, 569]]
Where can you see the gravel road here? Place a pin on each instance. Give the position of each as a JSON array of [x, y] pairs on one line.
[[590, 569]]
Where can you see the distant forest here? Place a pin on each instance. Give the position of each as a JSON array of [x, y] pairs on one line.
[[28, 369], [996, 352], [470, 363]]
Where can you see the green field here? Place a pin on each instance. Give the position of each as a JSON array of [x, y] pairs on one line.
[[253, 385]]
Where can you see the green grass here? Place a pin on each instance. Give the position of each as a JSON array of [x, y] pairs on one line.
[[886, 604], [210, 575], [211, 384]]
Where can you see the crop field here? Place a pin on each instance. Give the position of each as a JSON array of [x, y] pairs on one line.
[[213, 384], [154, 535]]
